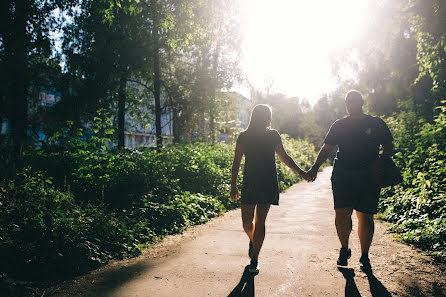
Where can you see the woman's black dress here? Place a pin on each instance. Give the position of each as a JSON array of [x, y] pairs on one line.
[[260, 185]]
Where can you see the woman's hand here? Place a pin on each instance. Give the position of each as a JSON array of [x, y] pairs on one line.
[[234, 193], [304, 175]]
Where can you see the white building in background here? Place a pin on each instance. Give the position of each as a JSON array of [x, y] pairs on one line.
[[140, 135], [146, 136]]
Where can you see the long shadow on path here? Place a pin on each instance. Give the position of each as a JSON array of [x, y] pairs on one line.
[[376, 287], [104, 282], [245, 288], [351, 290]]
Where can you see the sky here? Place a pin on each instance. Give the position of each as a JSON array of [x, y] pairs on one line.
[[288, 44]]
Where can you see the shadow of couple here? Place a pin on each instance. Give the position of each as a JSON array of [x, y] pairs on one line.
[[377, 289], [245, 288]]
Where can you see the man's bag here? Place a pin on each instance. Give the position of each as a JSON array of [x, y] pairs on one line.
[[385, 173]]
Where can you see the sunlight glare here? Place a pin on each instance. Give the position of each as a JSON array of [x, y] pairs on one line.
[[290, 42]]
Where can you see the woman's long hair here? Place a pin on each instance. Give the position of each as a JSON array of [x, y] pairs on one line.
[[260, 118]]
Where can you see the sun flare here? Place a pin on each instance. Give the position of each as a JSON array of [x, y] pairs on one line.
[[290, 42]]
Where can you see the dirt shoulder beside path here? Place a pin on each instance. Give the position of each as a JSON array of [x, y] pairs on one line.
[[298, 258]]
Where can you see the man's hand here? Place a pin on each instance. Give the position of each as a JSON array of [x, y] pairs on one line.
[[312, 174], [323, 154], [234, 193]]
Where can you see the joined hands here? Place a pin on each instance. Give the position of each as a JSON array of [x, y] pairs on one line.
[[310, 175]]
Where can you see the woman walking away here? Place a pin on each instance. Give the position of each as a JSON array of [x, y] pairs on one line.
[[260, 188]]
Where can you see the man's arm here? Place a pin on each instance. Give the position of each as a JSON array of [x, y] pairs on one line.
[[385, 138], [323, 154], [387, 148]]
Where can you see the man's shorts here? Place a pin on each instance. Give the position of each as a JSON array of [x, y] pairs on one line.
[[354, 188]]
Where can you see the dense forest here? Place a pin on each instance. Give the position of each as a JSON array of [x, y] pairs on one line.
[[77, 198]]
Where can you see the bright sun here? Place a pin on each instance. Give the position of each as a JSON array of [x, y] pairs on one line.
[[290, 42]]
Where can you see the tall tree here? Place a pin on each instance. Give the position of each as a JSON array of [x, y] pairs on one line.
[[157, 70], [26, 49], [203, 65], [105, 47], [401, 64]]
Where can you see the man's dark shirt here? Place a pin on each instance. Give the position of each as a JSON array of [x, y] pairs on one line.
[[358, 141]]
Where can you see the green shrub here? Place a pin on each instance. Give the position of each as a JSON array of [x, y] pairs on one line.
[[45, 233], [79, 204], [303, 153], [417, 207], [43, 230]]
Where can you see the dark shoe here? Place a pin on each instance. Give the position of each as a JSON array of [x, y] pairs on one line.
[[251, 249], [364, 264], [344, 255], [254, 266]]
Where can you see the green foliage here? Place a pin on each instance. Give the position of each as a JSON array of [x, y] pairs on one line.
[[44, 231], [303, 153], [401, 70], [417, 208], [78, 205], [298, 119]]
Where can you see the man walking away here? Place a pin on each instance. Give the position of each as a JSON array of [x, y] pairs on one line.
[[358, 137]]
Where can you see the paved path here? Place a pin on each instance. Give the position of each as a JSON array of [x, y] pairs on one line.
[[297, 259]]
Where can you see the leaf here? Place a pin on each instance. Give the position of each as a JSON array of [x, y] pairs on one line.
[[109, 131], [420, 175]]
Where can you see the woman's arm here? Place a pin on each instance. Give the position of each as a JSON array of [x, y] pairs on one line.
[[285, 158], [235, 169]]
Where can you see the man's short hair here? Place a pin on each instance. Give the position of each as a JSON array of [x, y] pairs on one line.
[[353, 96]]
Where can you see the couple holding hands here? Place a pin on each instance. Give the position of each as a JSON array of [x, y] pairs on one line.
[[358, 138]]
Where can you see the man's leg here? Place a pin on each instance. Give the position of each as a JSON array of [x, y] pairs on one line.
[[366, 228], [259, 229], [343, 222], [247, 217]]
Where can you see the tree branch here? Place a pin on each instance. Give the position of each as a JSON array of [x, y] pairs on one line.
[[142, 84]]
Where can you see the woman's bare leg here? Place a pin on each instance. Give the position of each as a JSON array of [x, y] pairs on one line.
[[247, 217], [259, 228]]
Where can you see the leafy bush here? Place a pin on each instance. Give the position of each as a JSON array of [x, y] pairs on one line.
[[45, 233], [303, 153], [78, 205], [417, 208]]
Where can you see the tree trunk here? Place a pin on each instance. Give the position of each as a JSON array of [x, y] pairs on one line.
[[175, 125], [212, 110], [18, 119], [157, 89], [121, 110]]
